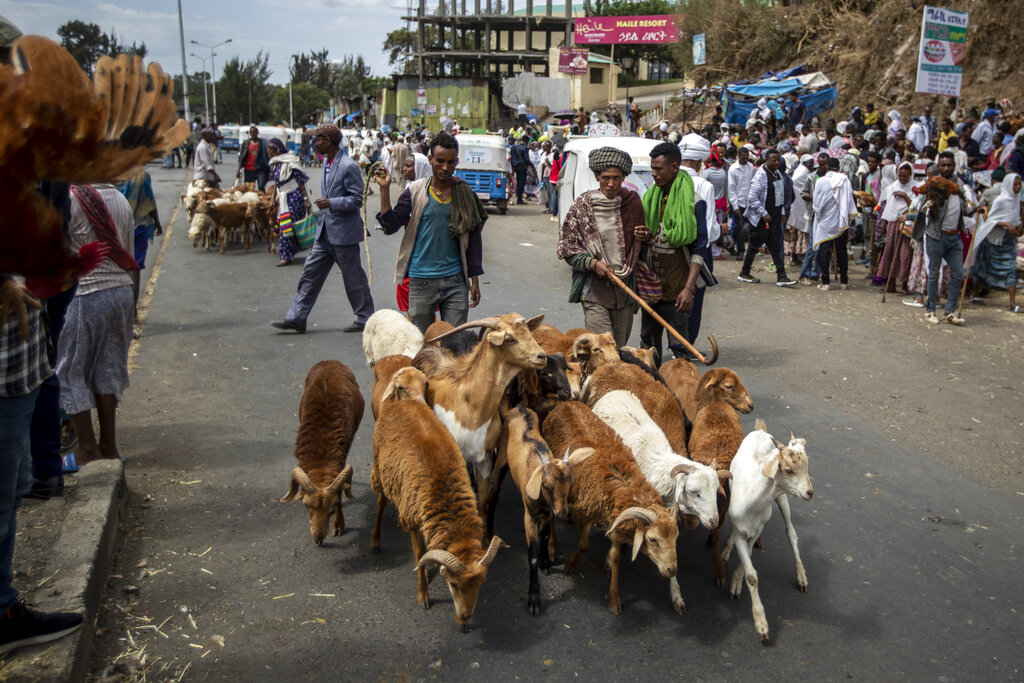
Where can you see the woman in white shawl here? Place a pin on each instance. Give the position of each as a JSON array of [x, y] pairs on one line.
[[995, 245], [895, 200], [797, 222], [290, 193], [895, 123]]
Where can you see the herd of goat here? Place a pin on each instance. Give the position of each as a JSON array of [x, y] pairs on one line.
[[590, 433], [239, 214]]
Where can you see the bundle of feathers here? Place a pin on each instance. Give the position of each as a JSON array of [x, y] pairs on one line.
[[60, 126]]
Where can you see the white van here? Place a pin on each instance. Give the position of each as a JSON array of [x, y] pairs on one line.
[[575, 178]]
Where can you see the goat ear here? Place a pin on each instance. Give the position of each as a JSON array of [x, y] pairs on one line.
[[760, 425], [772, 468], [533, 485], [710, 381], [497, 338], [534, 322], [638, 542], [293, 490], [800, 442], [785, 460], [389, 391], [579, 455]]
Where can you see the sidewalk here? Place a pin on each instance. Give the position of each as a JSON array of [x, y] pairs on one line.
[[62, 558]]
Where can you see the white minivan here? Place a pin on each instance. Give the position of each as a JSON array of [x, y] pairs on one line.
[[575, 178]]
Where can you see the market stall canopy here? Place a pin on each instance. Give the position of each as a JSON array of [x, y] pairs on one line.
[[815, 90]]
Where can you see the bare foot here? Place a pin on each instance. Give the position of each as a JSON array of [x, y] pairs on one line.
[[86, 455], [109, 451]]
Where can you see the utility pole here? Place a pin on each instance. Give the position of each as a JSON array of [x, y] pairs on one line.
[[184, 69], [206, 100], [213, 70], [291, 113]]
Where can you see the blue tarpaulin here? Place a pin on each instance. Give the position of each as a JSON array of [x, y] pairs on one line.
[[737, 112], [352, 115], [795, 71], [767, 88]]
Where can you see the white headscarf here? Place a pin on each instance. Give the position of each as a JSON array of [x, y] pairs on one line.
[[1005, 209], [423, 169], [897, 122], [894, 206], [694, 148]]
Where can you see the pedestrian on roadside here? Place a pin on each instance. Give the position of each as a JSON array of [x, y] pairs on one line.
[[694, 150], [139, 193], [996, 251], [203, 168], [599, 237], [942, 243], [290, 203], [833, 207], [519, 158], [767, 204], [441, 249], [339, 232], [92, 353], [253, 159], [740, 175]]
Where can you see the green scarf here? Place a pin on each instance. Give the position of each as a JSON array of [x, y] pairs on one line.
[[680, 221], [468, 212]]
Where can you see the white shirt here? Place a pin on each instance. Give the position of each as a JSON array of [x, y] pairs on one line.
[[739, 184], [984, 135], [202, 166], [108, 274], [703, 190]]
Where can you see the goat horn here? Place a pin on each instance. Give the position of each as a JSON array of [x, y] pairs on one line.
[[681, 468], [778, 444], [724, 474], [343, 478], [492, 550], [300, 476], [638, 542], [444, 557], [633, 513], [490, 323], [544, 459]]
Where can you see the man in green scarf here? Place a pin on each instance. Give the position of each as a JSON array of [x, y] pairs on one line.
[[677, 246]]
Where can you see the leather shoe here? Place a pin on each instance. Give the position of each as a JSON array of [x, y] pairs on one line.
[[354, 327], [45, 489], [288, 326]]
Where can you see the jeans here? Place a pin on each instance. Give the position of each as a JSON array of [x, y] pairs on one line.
[[15, 481], [810, 267], [449, 294], [825, 258], [45, 431], [770, 236], [951, 250], [258, 177], [553, 197], [651, 330], [739, 229]]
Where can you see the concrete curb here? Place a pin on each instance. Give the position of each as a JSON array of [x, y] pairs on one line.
[[81, 560]]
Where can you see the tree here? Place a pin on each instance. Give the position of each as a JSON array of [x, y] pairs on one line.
[[87, 43], [314, 68], [195, 92], [401, 43], [243, 90], [349, 76], [307, 99]]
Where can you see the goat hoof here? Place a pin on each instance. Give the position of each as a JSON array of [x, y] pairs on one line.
[[734, 596], [679, 607], [615, 609], [465, 628], [425, 604], [803, 588], [720, 581], [337, 531], [533, 604], [759, 544], [375, 549], [763, 636]]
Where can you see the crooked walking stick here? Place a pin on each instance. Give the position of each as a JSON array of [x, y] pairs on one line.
[[970, 261], [892, 264], [366, 230], [671, 330]]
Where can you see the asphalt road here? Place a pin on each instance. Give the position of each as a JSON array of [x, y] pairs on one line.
[[911, 542]]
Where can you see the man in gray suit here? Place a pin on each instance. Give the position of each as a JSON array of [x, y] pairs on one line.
[[338, 234]]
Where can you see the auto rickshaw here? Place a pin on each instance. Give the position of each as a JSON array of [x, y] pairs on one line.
[[483, 163]]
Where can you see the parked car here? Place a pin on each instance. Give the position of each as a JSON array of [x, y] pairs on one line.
[[576, 177]]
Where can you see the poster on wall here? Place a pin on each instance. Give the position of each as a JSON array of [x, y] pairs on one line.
[[699, 50], [940, 58], [573, 60], [645, 30]]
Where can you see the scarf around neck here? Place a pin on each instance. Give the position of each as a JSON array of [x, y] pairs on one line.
[[679, 221]]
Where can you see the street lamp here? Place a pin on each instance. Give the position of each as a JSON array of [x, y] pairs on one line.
[[213, 67], [627, 64], [206, 102]]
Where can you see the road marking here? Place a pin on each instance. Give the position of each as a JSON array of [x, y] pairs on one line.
[[147, 295]]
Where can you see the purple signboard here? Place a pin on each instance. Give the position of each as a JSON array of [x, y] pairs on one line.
[[572, 61], [626, 30]]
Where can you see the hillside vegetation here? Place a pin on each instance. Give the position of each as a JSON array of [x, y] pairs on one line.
[[869, 48]]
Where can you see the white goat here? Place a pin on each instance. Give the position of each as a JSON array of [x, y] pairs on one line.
[[387, 333], [689, 486], [764, 470]]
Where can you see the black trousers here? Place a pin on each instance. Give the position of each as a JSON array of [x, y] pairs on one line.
[[770, 237], [825, 258], [520, 182]]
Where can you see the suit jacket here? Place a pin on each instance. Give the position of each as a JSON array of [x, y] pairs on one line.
[[343, 185]]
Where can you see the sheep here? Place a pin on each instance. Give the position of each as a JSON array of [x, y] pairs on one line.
[[592, 351], [417, 465], [717, 384], [202, 230], [465, 391], [544, 483], [383, 371], [690, 487], [715, 437], [656, 398], [764, 470], [610, 491], [388, 332], [329, 415]]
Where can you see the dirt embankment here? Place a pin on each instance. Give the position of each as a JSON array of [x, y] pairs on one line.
[[868, 47]]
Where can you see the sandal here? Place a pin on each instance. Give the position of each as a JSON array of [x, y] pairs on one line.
[[977, 301], [1015, 309]]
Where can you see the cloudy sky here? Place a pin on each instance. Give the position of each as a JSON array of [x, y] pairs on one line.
[[281, 28]]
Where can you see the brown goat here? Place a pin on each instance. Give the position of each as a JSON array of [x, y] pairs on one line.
[[329, 415], [592, 351], [417, 466], [714, 440], [552, 340], [717, 384], [655, 397], [544, 483], [610, 491], [229, 217], [383, 370], [465, 391], [437, 328]]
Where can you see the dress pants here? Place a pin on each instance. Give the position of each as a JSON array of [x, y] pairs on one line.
[[319, 262]]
